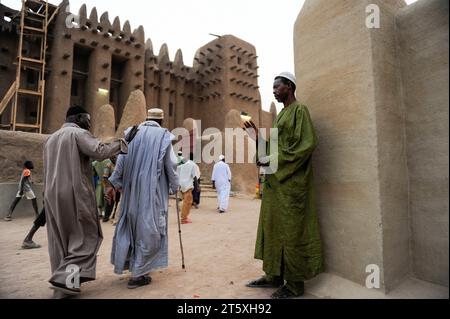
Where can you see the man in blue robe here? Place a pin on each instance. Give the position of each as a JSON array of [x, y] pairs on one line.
[[144, 177]]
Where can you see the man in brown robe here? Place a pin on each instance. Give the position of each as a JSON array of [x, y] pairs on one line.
[[74, 233]]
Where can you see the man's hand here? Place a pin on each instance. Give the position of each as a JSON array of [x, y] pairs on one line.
[[110, 193], [251, 130], [131, 134]]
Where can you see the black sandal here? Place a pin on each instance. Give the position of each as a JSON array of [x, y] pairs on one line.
[[141, 281], [262, 283], [65, 290], [283, 293]]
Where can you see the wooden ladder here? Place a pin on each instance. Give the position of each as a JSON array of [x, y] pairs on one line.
[[35, 18]]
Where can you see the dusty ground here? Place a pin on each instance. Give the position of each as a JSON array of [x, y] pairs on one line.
[[218, 251]]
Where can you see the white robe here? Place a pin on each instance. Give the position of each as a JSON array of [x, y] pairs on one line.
[[186, 173], [221, 175]]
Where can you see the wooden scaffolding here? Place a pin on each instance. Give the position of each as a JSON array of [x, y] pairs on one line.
[[35, 18]]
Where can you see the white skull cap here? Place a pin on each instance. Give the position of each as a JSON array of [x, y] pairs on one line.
[[155, 114], [289, 76]]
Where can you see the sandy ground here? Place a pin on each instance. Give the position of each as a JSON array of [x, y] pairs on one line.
[[218, 251]]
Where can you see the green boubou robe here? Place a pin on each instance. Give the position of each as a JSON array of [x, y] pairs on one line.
[[288, 227]]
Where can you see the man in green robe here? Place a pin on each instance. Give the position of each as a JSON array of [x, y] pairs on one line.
[[288, 239]]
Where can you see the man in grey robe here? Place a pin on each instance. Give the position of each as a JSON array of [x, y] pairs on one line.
[[74, 233], [144, 176]]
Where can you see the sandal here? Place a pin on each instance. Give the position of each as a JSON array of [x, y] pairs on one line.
[[283, 293], [30, 245], [262, 283], [65, 290], [140, 281]]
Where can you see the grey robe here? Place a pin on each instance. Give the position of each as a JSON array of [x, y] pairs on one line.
[[74, 233], [145, 175]]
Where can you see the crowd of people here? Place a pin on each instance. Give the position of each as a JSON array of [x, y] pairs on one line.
[[136, 175]]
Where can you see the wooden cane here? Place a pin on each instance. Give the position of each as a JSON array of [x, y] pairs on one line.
[[179, 229]]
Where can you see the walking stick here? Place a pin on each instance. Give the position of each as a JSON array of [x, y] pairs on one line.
[[179, 229], [116, 203]]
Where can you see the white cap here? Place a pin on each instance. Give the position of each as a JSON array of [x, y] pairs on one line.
[[289, 76], [221, 157], [155, 114]]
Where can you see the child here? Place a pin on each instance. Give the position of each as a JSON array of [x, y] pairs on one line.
[[25, 189], [40, 221]]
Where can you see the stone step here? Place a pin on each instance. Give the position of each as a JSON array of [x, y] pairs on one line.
[[209, 194]]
